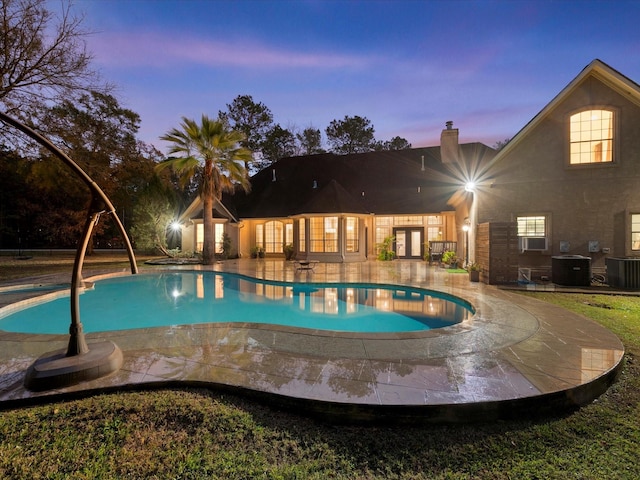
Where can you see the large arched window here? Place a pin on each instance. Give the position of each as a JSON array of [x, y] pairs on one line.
[[591, 137]]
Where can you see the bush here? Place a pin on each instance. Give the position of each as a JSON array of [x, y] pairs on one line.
[[386, 249]]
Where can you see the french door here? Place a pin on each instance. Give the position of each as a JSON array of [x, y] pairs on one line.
[[409, 242]]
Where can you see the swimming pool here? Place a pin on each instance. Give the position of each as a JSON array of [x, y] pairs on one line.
[[189, 297]]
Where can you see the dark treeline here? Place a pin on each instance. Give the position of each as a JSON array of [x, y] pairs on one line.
[[49, 84]]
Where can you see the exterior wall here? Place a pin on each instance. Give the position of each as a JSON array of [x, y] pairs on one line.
[[584, 203], [189, 235]]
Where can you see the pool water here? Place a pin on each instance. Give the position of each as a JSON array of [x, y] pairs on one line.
[[181, 298]]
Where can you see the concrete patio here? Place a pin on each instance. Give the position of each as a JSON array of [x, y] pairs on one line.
[[515, 357]]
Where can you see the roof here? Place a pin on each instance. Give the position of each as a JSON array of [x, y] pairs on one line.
[[395, 182], [194, 210]]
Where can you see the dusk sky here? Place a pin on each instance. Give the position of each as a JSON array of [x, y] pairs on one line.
[[407, 66]]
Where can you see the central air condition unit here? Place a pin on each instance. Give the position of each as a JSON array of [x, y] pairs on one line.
[[533, 244]]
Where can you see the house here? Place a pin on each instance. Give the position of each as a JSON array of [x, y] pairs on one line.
[[339, 208], [566, 187]]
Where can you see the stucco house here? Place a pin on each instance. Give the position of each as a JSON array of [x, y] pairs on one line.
[[566, 185], [339, 208]]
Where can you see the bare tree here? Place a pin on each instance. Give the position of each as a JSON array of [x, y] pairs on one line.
[[43, 56]]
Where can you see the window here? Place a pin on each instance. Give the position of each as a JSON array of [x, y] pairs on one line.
[[323, 234], [434, 230], [199, 237], [273, 237], [383, 228], [591, 137], [407, 220], [218, 234], [635, 232], [434, 234], [260, 236], [288, 233], [301, 236], [532, 226], [352, 234]]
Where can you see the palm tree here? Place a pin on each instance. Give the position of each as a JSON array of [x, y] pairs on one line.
[[214, 152]]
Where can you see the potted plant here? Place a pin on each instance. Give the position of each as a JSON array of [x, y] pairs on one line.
[[474, 272], [288, 251], [450, 258]]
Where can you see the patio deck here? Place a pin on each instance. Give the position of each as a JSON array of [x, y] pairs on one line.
[[516, 357]]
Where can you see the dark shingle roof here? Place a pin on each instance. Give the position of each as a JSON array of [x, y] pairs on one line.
[[383, 183]]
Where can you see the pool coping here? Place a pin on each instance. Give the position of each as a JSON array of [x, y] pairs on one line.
[[476, 371]]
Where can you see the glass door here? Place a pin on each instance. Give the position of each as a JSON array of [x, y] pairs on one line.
[[409, 242]]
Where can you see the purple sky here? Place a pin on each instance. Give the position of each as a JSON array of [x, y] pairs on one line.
[[408, 66]]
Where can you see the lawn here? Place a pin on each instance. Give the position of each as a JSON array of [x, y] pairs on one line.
[[190, 433]]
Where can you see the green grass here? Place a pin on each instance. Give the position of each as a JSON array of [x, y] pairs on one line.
[[191, 433]]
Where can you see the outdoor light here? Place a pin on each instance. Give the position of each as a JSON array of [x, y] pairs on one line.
[[465, 228], [470, 186], [175, 226]]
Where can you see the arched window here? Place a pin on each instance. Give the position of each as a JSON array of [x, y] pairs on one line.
[[591, 137]]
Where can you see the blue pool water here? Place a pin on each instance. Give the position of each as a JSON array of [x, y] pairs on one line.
[[156, 300]]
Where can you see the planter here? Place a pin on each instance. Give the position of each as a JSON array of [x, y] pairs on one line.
[[474, 275]]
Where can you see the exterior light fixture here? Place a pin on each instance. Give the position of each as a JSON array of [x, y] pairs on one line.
[[175, 226], [465, 228], [470, 186]]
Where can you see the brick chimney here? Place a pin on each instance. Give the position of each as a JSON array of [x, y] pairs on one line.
[[449, 151]]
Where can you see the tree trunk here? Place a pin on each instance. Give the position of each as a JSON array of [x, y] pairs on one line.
[[208, 247]]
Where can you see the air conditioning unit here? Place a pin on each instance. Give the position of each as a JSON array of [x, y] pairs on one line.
[[533, 244]]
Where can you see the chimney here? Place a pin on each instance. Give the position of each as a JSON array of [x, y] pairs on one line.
[[449, 144]]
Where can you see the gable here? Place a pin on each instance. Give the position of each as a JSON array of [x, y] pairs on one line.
[[598, 73]]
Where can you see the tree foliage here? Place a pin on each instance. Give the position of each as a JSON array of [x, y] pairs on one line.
[[500, 144], [396, 143], [278, 143], [95, 130], [43, 56], [253, 120], [213, 151], [50, 202], [153, 213], [351, 135], [310, 141]]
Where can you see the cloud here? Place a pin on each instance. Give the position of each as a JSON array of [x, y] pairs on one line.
[[153, 50]]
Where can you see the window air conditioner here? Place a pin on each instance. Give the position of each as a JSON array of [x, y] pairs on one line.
[[533, 244]]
